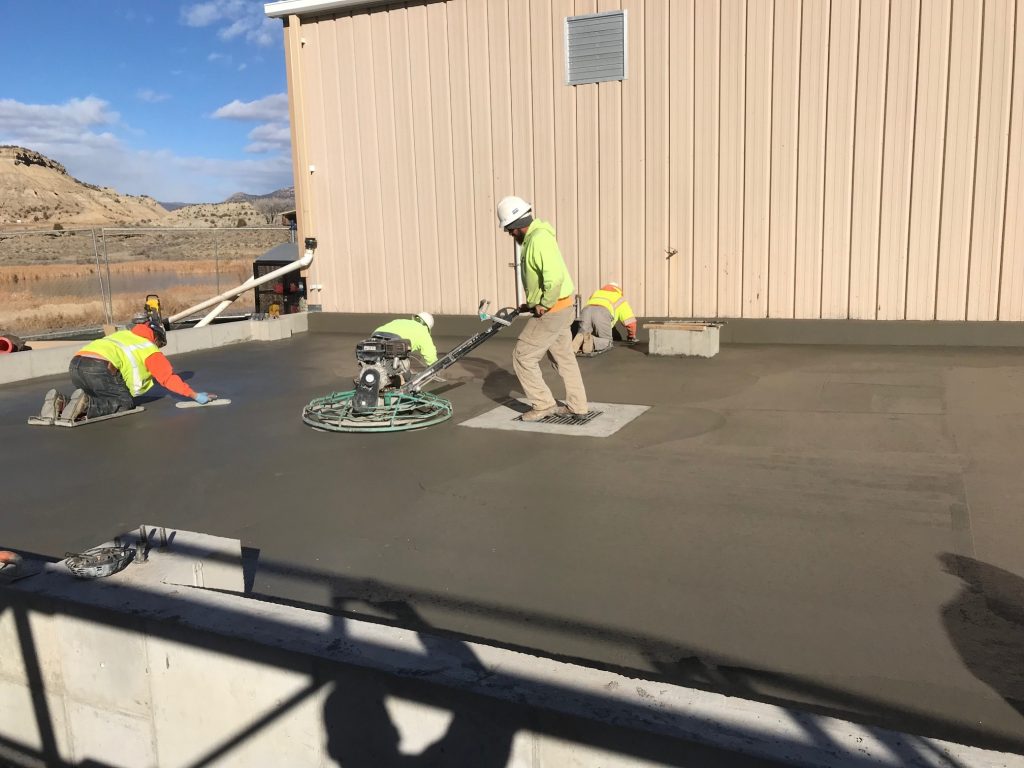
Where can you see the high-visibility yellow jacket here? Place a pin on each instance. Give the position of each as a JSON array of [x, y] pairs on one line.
[[128, 352], [542, 268], [611, 298], [417, 334]]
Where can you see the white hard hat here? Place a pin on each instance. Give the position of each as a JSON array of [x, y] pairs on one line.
[[427, 319], [511, 209], [613, 284]]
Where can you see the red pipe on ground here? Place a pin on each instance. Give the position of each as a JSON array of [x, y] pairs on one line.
[[7, 345]]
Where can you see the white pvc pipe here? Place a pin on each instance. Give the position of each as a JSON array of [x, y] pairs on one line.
[[223, 300]]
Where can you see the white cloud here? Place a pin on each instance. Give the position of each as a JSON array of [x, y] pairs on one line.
[[274, 134], [270, 137], [270, 108], [78, 135], [150, 96], [234, 19]]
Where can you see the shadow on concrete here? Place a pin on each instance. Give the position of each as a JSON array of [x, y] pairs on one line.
[[358, 727], [985, 622], [361, 734]]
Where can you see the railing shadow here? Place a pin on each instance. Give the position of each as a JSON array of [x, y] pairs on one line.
[[357, 725]]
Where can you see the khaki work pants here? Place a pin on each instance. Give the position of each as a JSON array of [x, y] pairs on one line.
[[549, 334]]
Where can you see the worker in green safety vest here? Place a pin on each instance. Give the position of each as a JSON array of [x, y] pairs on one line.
[[416, 331]]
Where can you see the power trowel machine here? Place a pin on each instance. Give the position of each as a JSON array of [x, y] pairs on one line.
[[388, 395]]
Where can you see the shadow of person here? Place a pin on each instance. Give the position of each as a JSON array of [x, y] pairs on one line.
[[360, 730], [985, 623], [499, 385]]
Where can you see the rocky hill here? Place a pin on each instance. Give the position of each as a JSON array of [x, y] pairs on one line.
[[37, 192], [271, 204]]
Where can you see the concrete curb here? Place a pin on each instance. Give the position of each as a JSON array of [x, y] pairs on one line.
[[21, 366], [755, 729]]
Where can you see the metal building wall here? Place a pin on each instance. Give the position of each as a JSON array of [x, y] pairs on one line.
[[765, 158]]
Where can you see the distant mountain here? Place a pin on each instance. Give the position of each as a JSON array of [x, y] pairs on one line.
[[36, 191], [173, 206], [269, 204]]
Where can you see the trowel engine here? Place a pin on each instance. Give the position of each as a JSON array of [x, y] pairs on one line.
[[383, 365]]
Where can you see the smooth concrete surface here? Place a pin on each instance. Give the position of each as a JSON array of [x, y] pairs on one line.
[[836, 528], [131, 663], [54, 359]]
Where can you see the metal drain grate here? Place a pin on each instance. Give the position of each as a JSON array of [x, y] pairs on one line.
[[569, 421]]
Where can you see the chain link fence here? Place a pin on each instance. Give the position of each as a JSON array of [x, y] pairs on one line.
[[56, 281]]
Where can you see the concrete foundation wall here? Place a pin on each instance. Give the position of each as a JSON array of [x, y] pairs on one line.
[[54, 360], [133, 670]]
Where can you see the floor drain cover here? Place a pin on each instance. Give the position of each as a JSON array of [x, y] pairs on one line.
[[568, 421]]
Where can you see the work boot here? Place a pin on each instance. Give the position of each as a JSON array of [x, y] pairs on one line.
[[587, 347], [565, 410], [76, 408], [53, 404], [534, 415]]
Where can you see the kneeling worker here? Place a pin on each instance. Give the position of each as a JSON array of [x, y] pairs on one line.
[[111, 372], [416, 331], [605, 309]]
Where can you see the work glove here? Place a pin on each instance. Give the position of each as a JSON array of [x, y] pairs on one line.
[[202, 398]]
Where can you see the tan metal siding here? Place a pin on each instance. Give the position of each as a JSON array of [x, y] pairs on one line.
[[990, 184], [867, 168], [609, 170], [763, 158], [584, 262], [680, 125], [785, 112], [815, 27], [705, 159], [1011, 289], [897, 168], [758, 156]]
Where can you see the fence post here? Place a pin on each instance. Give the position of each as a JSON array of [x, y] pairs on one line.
[[99, 276], [110, 287]]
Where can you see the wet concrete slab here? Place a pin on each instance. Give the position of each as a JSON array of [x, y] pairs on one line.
[[835, 527]]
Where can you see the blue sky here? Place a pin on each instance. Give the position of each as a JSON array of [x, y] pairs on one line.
[[184, 101]]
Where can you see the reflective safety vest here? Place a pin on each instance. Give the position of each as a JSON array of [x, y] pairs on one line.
[[417, 334], [128, 353], [615, 303]]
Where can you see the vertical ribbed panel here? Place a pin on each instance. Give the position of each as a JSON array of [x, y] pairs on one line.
[[779, 158]]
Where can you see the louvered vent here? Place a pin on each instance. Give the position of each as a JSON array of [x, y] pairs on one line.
[[595, 48]]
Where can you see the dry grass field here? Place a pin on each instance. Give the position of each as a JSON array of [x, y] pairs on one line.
[[56, 280]]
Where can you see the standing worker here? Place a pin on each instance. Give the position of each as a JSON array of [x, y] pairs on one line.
[[549, 294], [111, 372], [416, 331], [605, 309]]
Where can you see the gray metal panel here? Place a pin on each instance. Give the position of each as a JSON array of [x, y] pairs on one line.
[[595, 48]]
